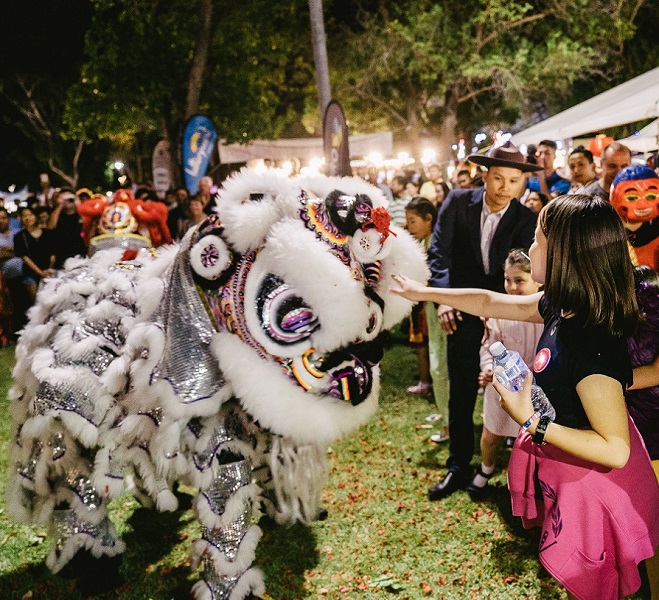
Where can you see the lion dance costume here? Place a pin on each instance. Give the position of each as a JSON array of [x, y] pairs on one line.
[[123, 221], [228, 362]]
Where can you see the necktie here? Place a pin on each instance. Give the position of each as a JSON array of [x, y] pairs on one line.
[[489, 227]]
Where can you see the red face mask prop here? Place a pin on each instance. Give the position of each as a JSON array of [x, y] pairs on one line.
[[636, 200]]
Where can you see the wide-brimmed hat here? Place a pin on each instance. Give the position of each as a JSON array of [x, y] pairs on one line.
[[506, 155]]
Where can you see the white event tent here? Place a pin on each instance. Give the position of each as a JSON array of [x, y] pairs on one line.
[[646, 140], [634, 100], [303, 148]]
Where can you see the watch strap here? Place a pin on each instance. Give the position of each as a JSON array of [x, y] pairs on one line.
[[541, 429]]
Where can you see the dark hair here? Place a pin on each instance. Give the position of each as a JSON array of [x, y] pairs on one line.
[[423, 207], [549, 143], [517, 257], [444, 187], [464, 172], [543, 199], [589, 270], [4, 210], [400, 180], [581, 150]]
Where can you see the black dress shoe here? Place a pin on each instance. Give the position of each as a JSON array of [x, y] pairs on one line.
[[451, 483]]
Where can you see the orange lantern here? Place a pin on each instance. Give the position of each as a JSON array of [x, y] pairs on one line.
[[598, 144]]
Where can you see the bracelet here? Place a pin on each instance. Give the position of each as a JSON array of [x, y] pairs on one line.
[[541, 429], [530, 420]]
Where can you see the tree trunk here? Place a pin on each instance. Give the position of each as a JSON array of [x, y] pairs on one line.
[[320, 56], [200, 57], [447, 129], [413, 123]]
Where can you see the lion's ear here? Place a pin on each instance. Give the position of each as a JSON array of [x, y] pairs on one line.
[[211, 260]]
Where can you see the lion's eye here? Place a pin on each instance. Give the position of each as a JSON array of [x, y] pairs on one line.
[[284, 316]]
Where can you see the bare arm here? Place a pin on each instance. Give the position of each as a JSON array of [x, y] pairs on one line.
[[478, 302], [607, 443], [646, 376]]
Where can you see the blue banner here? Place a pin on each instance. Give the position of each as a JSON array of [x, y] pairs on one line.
[[199, 140]]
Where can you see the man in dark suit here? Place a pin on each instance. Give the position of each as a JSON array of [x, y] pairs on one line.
[[475, 230]]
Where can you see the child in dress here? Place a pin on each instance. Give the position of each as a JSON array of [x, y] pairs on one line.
[[515, 335], [420, 216], [586, 477]]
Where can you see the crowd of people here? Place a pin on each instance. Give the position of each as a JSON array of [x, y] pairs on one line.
[[544, 263], [518, 253], [50, 227]]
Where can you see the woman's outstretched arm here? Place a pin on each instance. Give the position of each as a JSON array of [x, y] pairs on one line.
[[475, 301]]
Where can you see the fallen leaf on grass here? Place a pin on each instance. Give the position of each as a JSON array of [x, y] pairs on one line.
[[386, 582]]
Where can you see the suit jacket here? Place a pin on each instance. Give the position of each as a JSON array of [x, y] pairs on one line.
[[454, 256]]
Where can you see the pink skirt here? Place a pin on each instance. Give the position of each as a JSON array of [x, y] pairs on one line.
[[597, 523]]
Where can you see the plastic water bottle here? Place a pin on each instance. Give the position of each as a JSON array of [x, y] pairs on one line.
[[510, 370]]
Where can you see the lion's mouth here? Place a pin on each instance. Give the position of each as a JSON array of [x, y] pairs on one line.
[[345, 374]]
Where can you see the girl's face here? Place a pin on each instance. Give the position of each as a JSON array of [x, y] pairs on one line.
[[518, 282], [538, 256], [533, 202], [412, 189], [28, 219], [419, 227]]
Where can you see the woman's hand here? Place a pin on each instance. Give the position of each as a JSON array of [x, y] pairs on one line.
[[408, 288], [517, 404]]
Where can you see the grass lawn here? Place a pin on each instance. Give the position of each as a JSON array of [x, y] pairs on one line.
[[382, 540]]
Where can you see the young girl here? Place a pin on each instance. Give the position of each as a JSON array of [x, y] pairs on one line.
[[598, 501], [420, 215], [514, 335]]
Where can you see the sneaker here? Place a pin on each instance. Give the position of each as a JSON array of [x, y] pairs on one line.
[[422, 388], [439, 437], [433, 417]]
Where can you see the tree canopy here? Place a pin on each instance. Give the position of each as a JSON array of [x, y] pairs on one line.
[[435, 68], [135, 70]]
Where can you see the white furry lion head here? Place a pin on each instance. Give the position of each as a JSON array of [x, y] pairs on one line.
[[295, 276]]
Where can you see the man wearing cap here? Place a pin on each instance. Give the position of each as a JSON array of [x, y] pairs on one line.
[[475, 230]]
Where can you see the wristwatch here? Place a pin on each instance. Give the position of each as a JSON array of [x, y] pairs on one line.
[[540, 430]]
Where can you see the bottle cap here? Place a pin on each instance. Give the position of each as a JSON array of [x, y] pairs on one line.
[[497, 349]]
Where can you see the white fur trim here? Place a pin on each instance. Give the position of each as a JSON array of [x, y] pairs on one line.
[[244, 557], [247, 222], [214, 266], [282, 406]]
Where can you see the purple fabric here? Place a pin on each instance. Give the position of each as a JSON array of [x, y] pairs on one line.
[[643, 404]]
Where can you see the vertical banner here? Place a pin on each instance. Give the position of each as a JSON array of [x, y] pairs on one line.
[[335, 141], [161, 167], [199, 139]]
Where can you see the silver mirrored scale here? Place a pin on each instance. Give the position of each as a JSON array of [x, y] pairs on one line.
[[187, 362], [67, 523], [97, 360], [219, 585], [84, 489], [108, 329], [227, 539], [204, 458], [155, 414], [227, 480], [28, 470], [66, 397], [58, 445]]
